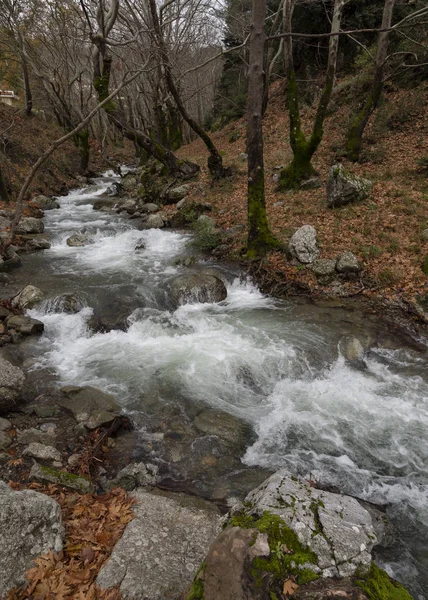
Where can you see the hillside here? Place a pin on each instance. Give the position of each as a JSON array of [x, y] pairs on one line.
[[384, 232]]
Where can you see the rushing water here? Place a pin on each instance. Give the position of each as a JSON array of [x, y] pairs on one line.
[[274, 365]]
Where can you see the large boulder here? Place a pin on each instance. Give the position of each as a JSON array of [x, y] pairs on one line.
[[89, 406], [197, 287], [11, 384], [30, 525], [155, 222], [335, 528], [129, 182], [30, 225], [37, 244], [78, 239], [344, 187], [27, 298], [46, 203], [303, 245], [162, 548]]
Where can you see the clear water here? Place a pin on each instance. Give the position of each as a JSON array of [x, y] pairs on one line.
[[275, 365]]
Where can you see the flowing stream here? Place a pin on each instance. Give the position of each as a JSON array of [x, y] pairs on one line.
[[273, 366]]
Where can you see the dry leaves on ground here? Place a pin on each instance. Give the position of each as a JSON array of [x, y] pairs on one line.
[[93, 525]]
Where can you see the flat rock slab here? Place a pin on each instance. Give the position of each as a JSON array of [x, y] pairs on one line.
[[89, 405], [11, 383], [68, 480], [30, 525], [162, 549], [337, 528]]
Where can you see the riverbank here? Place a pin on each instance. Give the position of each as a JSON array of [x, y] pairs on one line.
[[384, 232]]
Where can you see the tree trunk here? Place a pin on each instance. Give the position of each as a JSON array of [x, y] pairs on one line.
[[85, 151], [27, 88], [215, 160], [260, 238], [300, 169], [4, 191], [356, 131]]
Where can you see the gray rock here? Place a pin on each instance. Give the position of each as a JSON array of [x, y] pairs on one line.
[[4, 223], [243, 157], [31, 436], [227, 574], [27, 298], [203, 287], [25, 325], [335, 527], [130, 206], [37, 244], [11, 258], [344, 188], [62, 478], [178, 193], [140, 246], [79, 239], [42, 452], [4, 313], [30, 225], [102, 203], [324, 269], [89, 405], [5, 424], [424, 235], [5, 440], [162, 548], [11, 383], [150, 208], [223, 425], [69, 303], [351, 348], [303, 245], [46, 203], [155, 222], [207, 221], [30, 525], [135, 475], [129, 182], [348, 264]]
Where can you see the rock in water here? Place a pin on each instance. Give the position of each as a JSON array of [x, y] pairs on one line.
[[46, 203], [11, 384], [78, 239], [344, 188], [25, 325], [351, 348], [90, 406], [155, 222], [30, 525], [303, 245], [198, 287], [336, 528], [163, 547], [27, 297], [30, 225]]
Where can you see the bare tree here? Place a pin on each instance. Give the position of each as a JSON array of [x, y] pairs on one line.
[[300, 168], [260, 239]]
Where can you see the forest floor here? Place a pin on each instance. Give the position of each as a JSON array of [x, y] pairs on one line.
[[384, 232]]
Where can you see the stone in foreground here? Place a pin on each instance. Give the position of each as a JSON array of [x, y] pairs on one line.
[[162, 549], [89, 405], [57, 477], [30, 525], [336, 528], [27, 298], [30, 225], [344, 188], [303, 245]]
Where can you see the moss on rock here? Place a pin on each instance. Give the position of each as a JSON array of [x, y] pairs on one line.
[[377, 585]]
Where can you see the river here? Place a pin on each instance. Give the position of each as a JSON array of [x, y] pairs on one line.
[[273, 366]]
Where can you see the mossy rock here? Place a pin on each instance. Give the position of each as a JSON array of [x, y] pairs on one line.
[[377, 585]]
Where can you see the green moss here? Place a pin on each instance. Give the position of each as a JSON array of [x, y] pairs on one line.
[[197, 589], [260, 238], [281, 563], [65, 479], [378, 586]]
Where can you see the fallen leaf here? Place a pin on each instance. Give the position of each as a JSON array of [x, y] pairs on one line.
[[290, 587]]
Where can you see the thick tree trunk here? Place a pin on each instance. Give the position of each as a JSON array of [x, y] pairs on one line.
[[300, 169], [356, 131], [27, 88], [260, 238], [215, 160], [85, 151]]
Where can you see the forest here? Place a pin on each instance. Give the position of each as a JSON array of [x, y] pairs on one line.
[[213, 299]]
